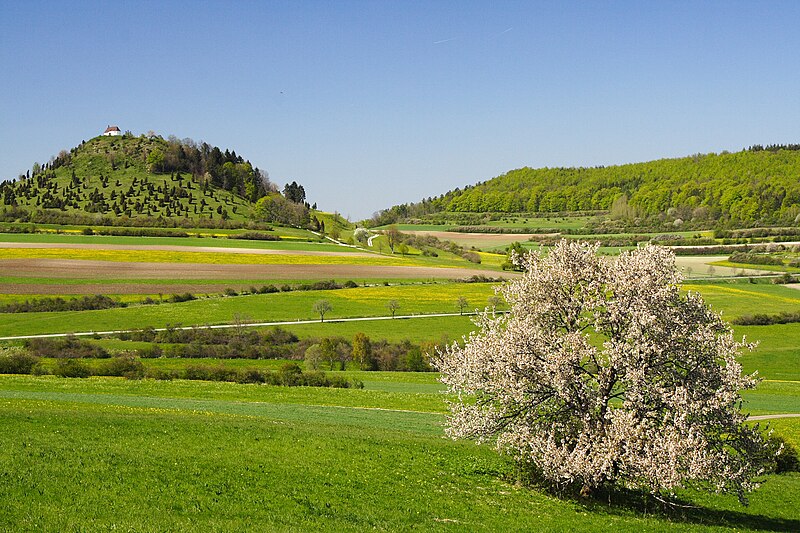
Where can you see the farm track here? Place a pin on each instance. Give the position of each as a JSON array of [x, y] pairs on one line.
[[773, 417]]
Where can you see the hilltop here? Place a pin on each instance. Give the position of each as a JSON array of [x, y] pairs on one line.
[[755, 186], [142, 179]]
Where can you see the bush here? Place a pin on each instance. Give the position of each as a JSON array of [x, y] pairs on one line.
[[156, 373], [472, 257], [125, 366], [750, 258], [251, 375], [67, 347], [780, 456], [787, 459], [268, 289], [15, 360], [291, 375], [72, 368], [185, 297]]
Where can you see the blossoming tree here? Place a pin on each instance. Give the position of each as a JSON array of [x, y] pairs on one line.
[[604, 373]]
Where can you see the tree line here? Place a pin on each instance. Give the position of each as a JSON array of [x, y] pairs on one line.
[[747, 187]]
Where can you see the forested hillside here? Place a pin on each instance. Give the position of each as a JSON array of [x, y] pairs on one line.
[[144, 177], [755, 185]]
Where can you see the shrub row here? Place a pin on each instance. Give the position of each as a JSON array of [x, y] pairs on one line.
[[173, 334], [18, 361], [762, 319], [65, 347], [748, 233], [255, 236], [135, 232], [504, 230], [242, 343], [63, 218], [750, 258], [38, 305]]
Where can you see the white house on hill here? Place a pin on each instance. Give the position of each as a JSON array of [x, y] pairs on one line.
[[112, 130]]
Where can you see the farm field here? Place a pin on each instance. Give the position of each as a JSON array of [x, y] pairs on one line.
[[195, 455], [358, 302], [209, 456], [57, 264]]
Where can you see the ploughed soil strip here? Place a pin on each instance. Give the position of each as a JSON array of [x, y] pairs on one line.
[[74, 269]]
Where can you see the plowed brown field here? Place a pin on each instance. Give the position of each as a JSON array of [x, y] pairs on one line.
[[70, 269]]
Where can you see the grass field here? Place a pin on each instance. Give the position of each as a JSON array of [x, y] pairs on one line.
[[106, 453], [359, 302]]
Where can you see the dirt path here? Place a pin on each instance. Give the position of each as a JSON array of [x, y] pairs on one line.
[[773, 417]]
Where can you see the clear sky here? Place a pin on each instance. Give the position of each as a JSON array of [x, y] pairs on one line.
[[373, 103]]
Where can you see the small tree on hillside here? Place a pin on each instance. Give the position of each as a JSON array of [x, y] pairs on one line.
[[604, 373], [361, 235], [321, 307], [393, 236]]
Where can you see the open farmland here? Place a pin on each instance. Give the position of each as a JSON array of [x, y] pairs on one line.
[[283, 306], [194, 455], [208, 456], [127, 266]]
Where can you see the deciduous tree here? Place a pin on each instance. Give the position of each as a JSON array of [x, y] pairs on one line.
[[321, 307], [604, 373]]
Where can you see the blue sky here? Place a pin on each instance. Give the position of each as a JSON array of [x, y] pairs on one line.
[[369, 104]]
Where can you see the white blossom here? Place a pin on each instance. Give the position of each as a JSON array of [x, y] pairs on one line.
[[603, 372]]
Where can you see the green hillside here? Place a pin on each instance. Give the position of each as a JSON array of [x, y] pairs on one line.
[[753, 186], [144, 178]]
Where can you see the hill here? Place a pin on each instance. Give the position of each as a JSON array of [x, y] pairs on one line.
[[755, 186], [140, 179]]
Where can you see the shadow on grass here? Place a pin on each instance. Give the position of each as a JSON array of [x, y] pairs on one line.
[[620, 501]]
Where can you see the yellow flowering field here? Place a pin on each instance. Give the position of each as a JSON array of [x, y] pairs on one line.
[[162, 256]]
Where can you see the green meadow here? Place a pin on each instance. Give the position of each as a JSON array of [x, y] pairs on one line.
[[289, 306], [106, 453]]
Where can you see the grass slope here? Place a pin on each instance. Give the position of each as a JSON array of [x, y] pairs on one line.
[[109, 454], [117, 166]]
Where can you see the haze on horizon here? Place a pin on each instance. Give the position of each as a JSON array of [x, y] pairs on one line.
[[369, 104]]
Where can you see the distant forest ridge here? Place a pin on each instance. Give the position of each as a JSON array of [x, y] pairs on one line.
[[760, 184]]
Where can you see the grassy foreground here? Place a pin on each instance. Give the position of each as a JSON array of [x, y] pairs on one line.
[[103, 454]]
